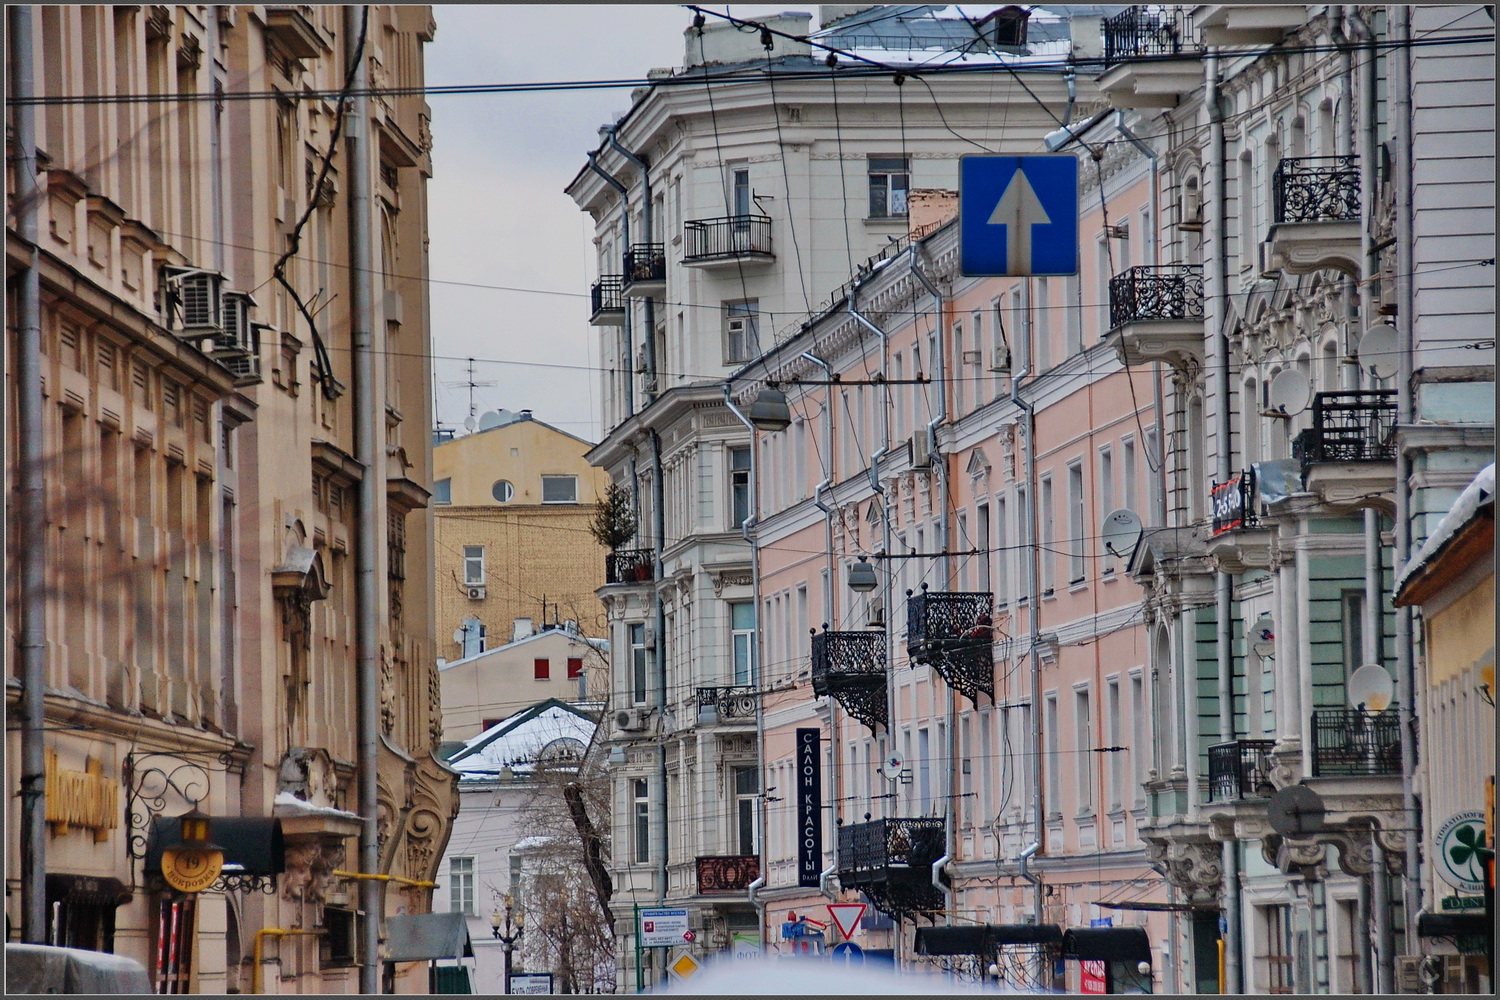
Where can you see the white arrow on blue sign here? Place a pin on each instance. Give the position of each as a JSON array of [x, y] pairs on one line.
[[1018, 215], [848, 953]]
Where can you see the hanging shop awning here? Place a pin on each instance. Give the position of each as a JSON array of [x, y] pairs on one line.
[[424, 937], [253, 843], [1108, 944], [86, 890], [1451, 924], [983, 939]]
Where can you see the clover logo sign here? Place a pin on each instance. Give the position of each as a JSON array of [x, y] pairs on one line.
[[1458, 844]]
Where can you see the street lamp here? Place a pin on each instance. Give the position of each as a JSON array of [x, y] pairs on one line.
[[507, 939], [769, 411], [862, 577]]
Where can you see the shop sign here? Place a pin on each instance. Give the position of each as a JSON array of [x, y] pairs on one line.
[[1458, 843], [1093, 977], [81, 798], [809, 807], [191, 869]]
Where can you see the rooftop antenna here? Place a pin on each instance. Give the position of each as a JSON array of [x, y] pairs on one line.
[[470, 422]]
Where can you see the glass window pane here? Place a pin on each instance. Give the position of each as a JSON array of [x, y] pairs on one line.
[[743, 615], [559, 489]]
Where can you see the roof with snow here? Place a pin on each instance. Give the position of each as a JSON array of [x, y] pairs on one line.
[[1478, 493], [546, 729]]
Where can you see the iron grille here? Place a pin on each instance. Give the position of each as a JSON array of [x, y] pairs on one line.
[[851, 667], [727, 873], [1317, 189], [729, 702], [629, 566], [727, 238], [1350, 426], [1170, 291], [1140, 31], [891, 860], [938, 621], [607, 295], [1350, 742], [645, 262], [1239, 770], [1233, 503]]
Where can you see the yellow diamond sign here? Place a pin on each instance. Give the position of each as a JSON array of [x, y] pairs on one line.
[[684, 967]]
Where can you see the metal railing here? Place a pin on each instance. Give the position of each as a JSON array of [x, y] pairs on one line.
[[1140, 31], [939, 621], [727, 873], [1349, 742], [1233, 503], [840, 656], [1349, 426], [1239, 770], [629, 566], [645, 262], [1316, 189], [871, 850], [729, 702], [728, 238], [1170, 291], [607, 295]]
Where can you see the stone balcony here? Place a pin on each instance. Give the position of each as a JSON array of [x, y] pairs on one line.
[[1317, 206], [1156, 314], [1151, 58], [1348, 455]]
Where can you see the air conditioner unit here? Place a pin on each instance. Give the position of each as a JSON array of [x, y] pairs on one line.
[[640, 361], [921, 457], [1120, 232], [475, 591], [1001, 361], [648, 635], [632, 720], [238, 331], [198, 295]]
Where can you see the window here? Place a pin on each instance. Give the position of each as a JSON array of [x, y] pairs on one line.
[[1083, 744], [642, 822], [575, 667], [741, 331], [502, 491], [1129, 474], [461, 885], [1003, 555], [442, 491], [982, 543], [474, 565], [1112, 738], [541, 668], [559, 489], [1076, 571], [1106, 490], [1053, 788], [739, 486], [746, 791], [1049, 538], [740, 186], [638, 664], [890, 177], [1352, 613], [1141, 742], [742, 630]]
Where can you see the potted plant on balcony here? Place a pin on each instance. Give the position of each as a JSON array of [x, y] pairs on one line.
[[614, 525]]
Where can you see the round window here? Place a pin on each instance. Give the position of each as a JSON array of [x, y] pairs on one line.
[[503, 491]]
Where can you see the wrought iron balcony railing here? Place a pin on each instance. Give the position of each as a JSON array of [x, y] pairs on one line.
[[1233, 503], [731, 873], [1349, 742], [1171, 291], [1140, 31], [1239, 770], [607, 295], [629, 566], [729, 703], [1349, 426], [851, 666], [1316, 189], [891, 861], [645, 263], [728, 238], [954, 632]]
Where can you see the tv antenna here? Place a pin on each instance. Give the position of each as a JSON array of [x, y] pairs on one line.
[[470, 422]]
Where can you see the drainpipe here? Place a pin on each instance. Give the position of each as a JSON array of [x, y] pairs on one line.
[[1024, 870], [640, 163], [658, 544], [32, 508], [370, 452], [1038, 805], [760, 715], [624, 194], [1406, 678]]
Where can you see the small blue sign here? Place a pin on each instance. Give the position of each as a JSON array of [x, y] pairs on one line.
[[1018, 215], [848, 953]]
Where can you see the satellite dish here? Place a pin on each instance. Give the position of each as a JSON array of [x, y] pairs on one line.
[[1290, 393], [458, 635], [892, 766], [469, 423], [489, 420], [1295, 811], [1263, 637], [1377, 351], [1121, 532], [1370, 688]]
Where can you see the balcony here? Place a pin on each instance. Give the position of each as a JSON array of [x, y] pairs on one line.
[[1316, 201], [728, 242], [645, 271], [727, 874], [1150, 58], [727, 704], [1240, 770], [608, 301], [891, 860], [629, 566], [1238, 542], [1156, 314], [1348, 455], [955, 634], [1247, 24], [851, 667], [1348, 742]]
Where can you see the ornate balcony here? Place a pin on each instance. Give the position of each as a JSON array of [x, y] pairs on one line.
[[1156, 314], [730, 241], [1348, 455], [851, 667], [1317, 215], [1147, 65], [629, 566], [727, 874], [727, 704], [608, 300], [645, 270], [1238, 541], [954, 632], [891, 860], [1348, 742], [1239, 770]]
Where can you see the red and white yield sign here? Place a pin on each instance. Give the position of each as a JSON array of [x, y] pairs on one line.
[[846, 917]]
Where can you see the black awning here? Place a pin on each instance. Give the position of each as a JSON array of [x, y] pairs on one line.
[[1025, 933], [1452, 924], [982, 940], [88, 890], [1109, 944], [252, 843], [424, 937]]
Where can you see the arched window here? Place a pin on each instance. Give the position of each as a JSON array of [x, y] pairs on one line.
[[1250, 420]]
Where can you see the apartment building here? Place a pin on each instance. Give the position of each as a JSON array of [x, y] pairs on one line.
[[235, 538]]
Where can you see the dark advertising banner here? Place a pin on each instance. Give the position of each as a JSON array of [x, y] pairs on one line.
[[809, 806]]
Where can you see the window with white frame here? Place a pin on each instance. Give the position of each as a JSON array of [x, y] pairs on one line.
[[559, 489], [1129, 473], [742, 641], [1076, 520], [1112, 738], [1105, 487], [890, 178], [638, 670], [739, 486], [642, 821], [1083, 734], [461, 885], [1140, 754], [1053, 789], [741, 331], [1048, 541], [1002, 551], [474, 565], [442, 491], [746, 816]]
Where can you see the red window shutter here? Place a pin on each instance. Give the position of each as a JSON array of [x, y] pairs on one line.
[[543, 669], [575, 667]]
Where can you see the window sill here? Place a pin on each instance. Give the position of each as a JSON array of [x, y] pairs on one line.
[[1075, 586], [882, 221]]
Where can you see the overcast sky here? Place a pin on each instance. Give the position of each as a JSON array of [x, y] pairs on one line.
[[511, 255]]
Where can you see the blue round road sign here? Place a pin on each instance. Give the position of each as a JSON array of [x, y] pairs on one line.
[[848, 953]]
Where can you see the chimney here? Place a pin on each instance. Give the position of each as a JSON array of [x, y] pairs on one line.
[[522, 630]]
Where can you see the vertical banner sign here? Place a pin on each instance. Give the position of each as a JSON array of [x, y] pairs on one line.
[[809, 807]]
